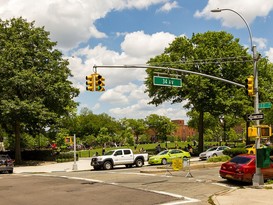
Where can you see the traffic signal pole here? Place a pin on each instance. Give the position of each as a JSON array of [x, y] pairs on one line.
[[172, 69], [258, 177]]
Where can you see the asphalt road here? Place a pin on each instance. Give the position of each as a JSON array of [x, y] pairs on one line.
[[117, 186], [45, 190]]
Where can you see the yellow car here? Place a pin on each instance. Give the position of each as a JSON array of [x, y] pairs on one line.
[[167, 156], [251, 149]]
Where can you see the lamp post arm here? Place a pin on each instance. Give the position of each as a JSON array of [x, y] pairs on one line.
[[248, 28]]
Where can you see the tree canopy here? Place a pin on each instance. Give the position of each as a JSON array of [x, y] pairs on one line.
[[214, 53], [35, 90]]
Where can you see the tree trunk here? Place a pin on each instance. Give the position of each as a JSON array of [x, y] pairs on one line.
[[18, 159], [201, 132]]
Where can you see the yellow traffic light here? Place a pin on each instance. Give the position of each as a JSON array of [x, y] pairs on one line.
[[250, 85], [90, 82], [99, 82]]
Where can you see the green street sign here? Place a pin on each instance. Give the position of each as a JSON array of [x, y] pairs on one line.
[[165, 81], [265, 105]]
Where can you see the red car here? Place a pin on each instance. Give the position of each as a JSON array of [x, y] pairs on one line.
[[242, 168]]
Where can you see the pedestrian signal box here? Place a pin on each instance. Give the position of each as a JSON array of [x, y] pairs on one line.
[[252, 131], [266, 131], [68, 140]]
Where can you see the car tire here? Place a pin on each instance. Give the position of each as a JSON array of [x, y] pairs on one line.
[[107, 165], [214, 155], [139, 163], [251, 152], [164, 161], [10, 171]]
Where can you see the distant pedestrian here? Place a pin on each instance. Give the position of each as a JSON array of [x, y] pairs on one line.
[[190, 150], [103, 151], [96, 154], [158, 148]]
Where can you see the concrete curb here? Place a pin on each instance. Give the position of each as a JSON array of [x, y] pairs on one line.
[[163, 169]]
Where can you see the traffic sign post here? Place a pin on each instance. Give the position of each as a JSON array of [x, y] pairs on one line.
[[165, 81], [257, 116]]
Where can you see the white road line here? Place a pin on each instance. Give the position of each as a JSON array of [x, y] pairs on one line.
[[142, 174], [182, 200]]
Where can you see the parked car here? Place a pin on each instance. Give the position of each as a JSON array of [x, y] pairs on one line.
[[242, 168], [166, 156], [6, 163], [118, 157], [251, 149], [213, 152]]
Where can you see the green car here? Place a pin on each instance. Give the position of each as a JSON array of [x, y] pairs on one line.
[[167, 156]]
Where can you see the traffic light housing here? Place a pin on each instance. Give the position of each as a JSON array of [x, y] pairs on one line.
[[252, 131], [99, 83], [90, 82], [250, 86], [266, 131]]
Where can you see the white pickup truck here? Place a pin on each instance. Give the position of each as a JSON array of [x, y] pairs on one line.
[[118, 157]]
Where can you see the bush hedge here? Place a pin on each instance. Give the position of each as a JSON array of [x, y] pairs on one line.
[[222, 158], [234, 151], [66, 157]]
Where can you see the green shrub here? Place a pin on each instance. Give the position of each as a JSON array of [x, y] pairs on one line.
[[222, 158], [234, 151], [66, 157]]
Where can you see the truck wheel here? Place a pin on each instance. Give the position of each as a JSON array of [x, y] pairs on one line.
[[139, 162], [107, 165], [164, 161]]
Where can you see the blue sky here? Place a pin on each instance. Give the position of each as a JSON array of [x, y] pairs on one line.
[[118, 32]]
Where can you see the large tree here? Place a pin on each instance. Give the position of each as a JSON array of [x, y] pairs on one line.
[[137, 126], [161, 126], [35, 90], [213, 53]]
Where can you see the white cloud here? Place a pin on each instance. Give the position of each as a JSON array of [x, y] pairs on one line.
[[69, 21], [260, 42], [168, 6], [72, 22], [248, 9], [96, 106], [269, 54], [137, 48], [142, 109], [119, 94], [139, 44]]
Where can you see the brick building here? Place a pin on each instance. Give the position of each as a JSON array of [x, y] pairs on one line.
[[183, 131]]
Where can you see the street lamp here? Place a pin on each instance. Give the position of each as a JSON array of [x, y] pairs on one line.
[[258, 177], [223, 122]]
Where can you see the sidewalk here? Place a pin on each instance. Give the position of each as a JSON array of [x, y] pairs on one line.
[[82, 164], [251, 195]]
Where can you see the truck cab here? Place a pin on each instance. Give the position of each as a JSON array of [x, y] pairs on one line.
[[118, 157]]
